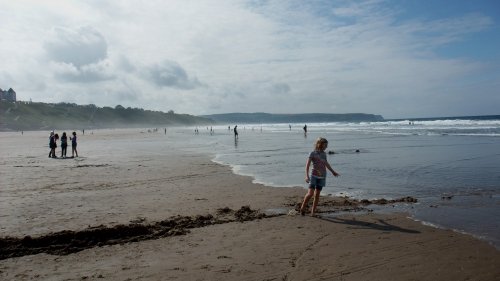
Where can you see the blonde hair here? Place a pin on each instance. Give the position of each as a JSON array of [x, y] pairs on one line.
[[319, 143]]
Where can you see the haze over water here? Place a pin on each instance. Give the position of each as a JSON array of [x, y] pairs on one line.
[[450, 166]]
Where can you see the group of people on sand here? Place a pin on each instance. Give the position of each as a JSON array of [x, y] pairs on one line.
[[315, 170], [53, 138]]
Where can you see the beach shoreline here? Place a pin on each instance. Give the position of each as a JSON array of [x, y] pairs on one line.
[[114, 189]]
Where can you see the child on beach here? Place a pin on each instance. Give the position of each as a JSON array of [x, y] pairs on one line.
[[317, 179], [52, 145], [64, 145], [73, 145]]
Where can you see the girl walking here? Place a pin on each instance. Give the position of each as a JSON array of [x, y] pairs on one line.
[[317, 178]]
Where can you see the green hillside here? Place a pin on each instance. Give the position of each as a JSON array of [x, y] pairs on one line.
[[43, 116]]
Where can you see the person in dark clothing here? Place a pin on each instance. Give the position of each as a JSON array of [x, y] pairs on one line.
[[73, 145], [64, 144], [235, 131], [52, 145]]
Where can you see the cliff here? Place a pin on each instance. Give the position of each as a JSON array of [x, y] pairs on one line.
[[257, 118]]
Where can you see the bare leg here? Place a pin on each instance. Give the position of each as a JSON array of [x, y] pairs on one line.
[[308, 196], [315, 201]]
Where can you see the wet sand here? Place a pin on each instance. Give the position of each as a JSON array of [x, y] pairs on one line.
[[134, 207]]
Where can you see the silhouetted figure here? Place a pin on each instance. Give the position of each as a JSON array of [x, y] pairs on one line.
[[73, 145], [52, 145], [235, 131], [64, 145], [56, 138]]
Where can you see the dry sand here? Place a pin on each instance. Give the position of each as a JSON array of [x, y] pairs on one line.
[[127, 179]]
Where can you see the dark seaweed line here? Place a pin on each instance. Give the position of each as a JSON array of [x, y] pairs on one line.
[[67, 242]]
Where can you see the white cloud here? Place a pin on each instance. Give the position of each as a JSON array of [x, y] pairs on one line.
[[204, 57]]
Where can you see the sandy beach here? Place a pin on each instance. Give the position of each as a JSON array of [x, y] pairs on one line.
[[134, 207]]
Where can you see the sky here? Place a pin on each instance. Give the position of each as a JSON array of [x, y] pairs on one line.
[[399, 59]]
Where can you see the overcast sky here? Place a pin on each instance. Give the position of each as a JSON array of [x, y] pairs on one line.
[[394, 58]]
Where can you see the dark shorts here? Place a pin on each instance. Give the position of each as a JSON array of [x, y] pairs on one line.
[[317, 183]]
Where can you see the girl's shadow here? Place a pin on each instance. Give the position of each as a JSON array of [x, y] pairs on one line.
[[382, 225]]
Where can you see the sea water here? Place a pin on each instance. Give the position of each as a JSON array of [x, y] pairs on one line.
[[451, 166]]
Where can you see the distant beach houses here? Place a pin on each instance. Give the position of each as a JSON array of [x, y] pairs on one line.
[[8, 95]]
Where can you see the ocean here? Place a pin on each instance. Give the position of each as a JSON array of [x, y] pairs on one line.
[[451, 166]]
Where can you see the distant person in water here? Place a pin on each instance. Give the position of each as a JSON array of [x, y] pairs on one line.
[[305, 129], [235, 131], [64, 144], [73, 145], [317, 178], [52, 145]]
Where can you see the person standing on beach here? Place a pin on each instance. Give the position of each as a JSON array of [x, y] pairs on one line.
[[56, 138], [52, 145], [317, 180], [305, 129], [73, 145], [64, 144], [235, 131]]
